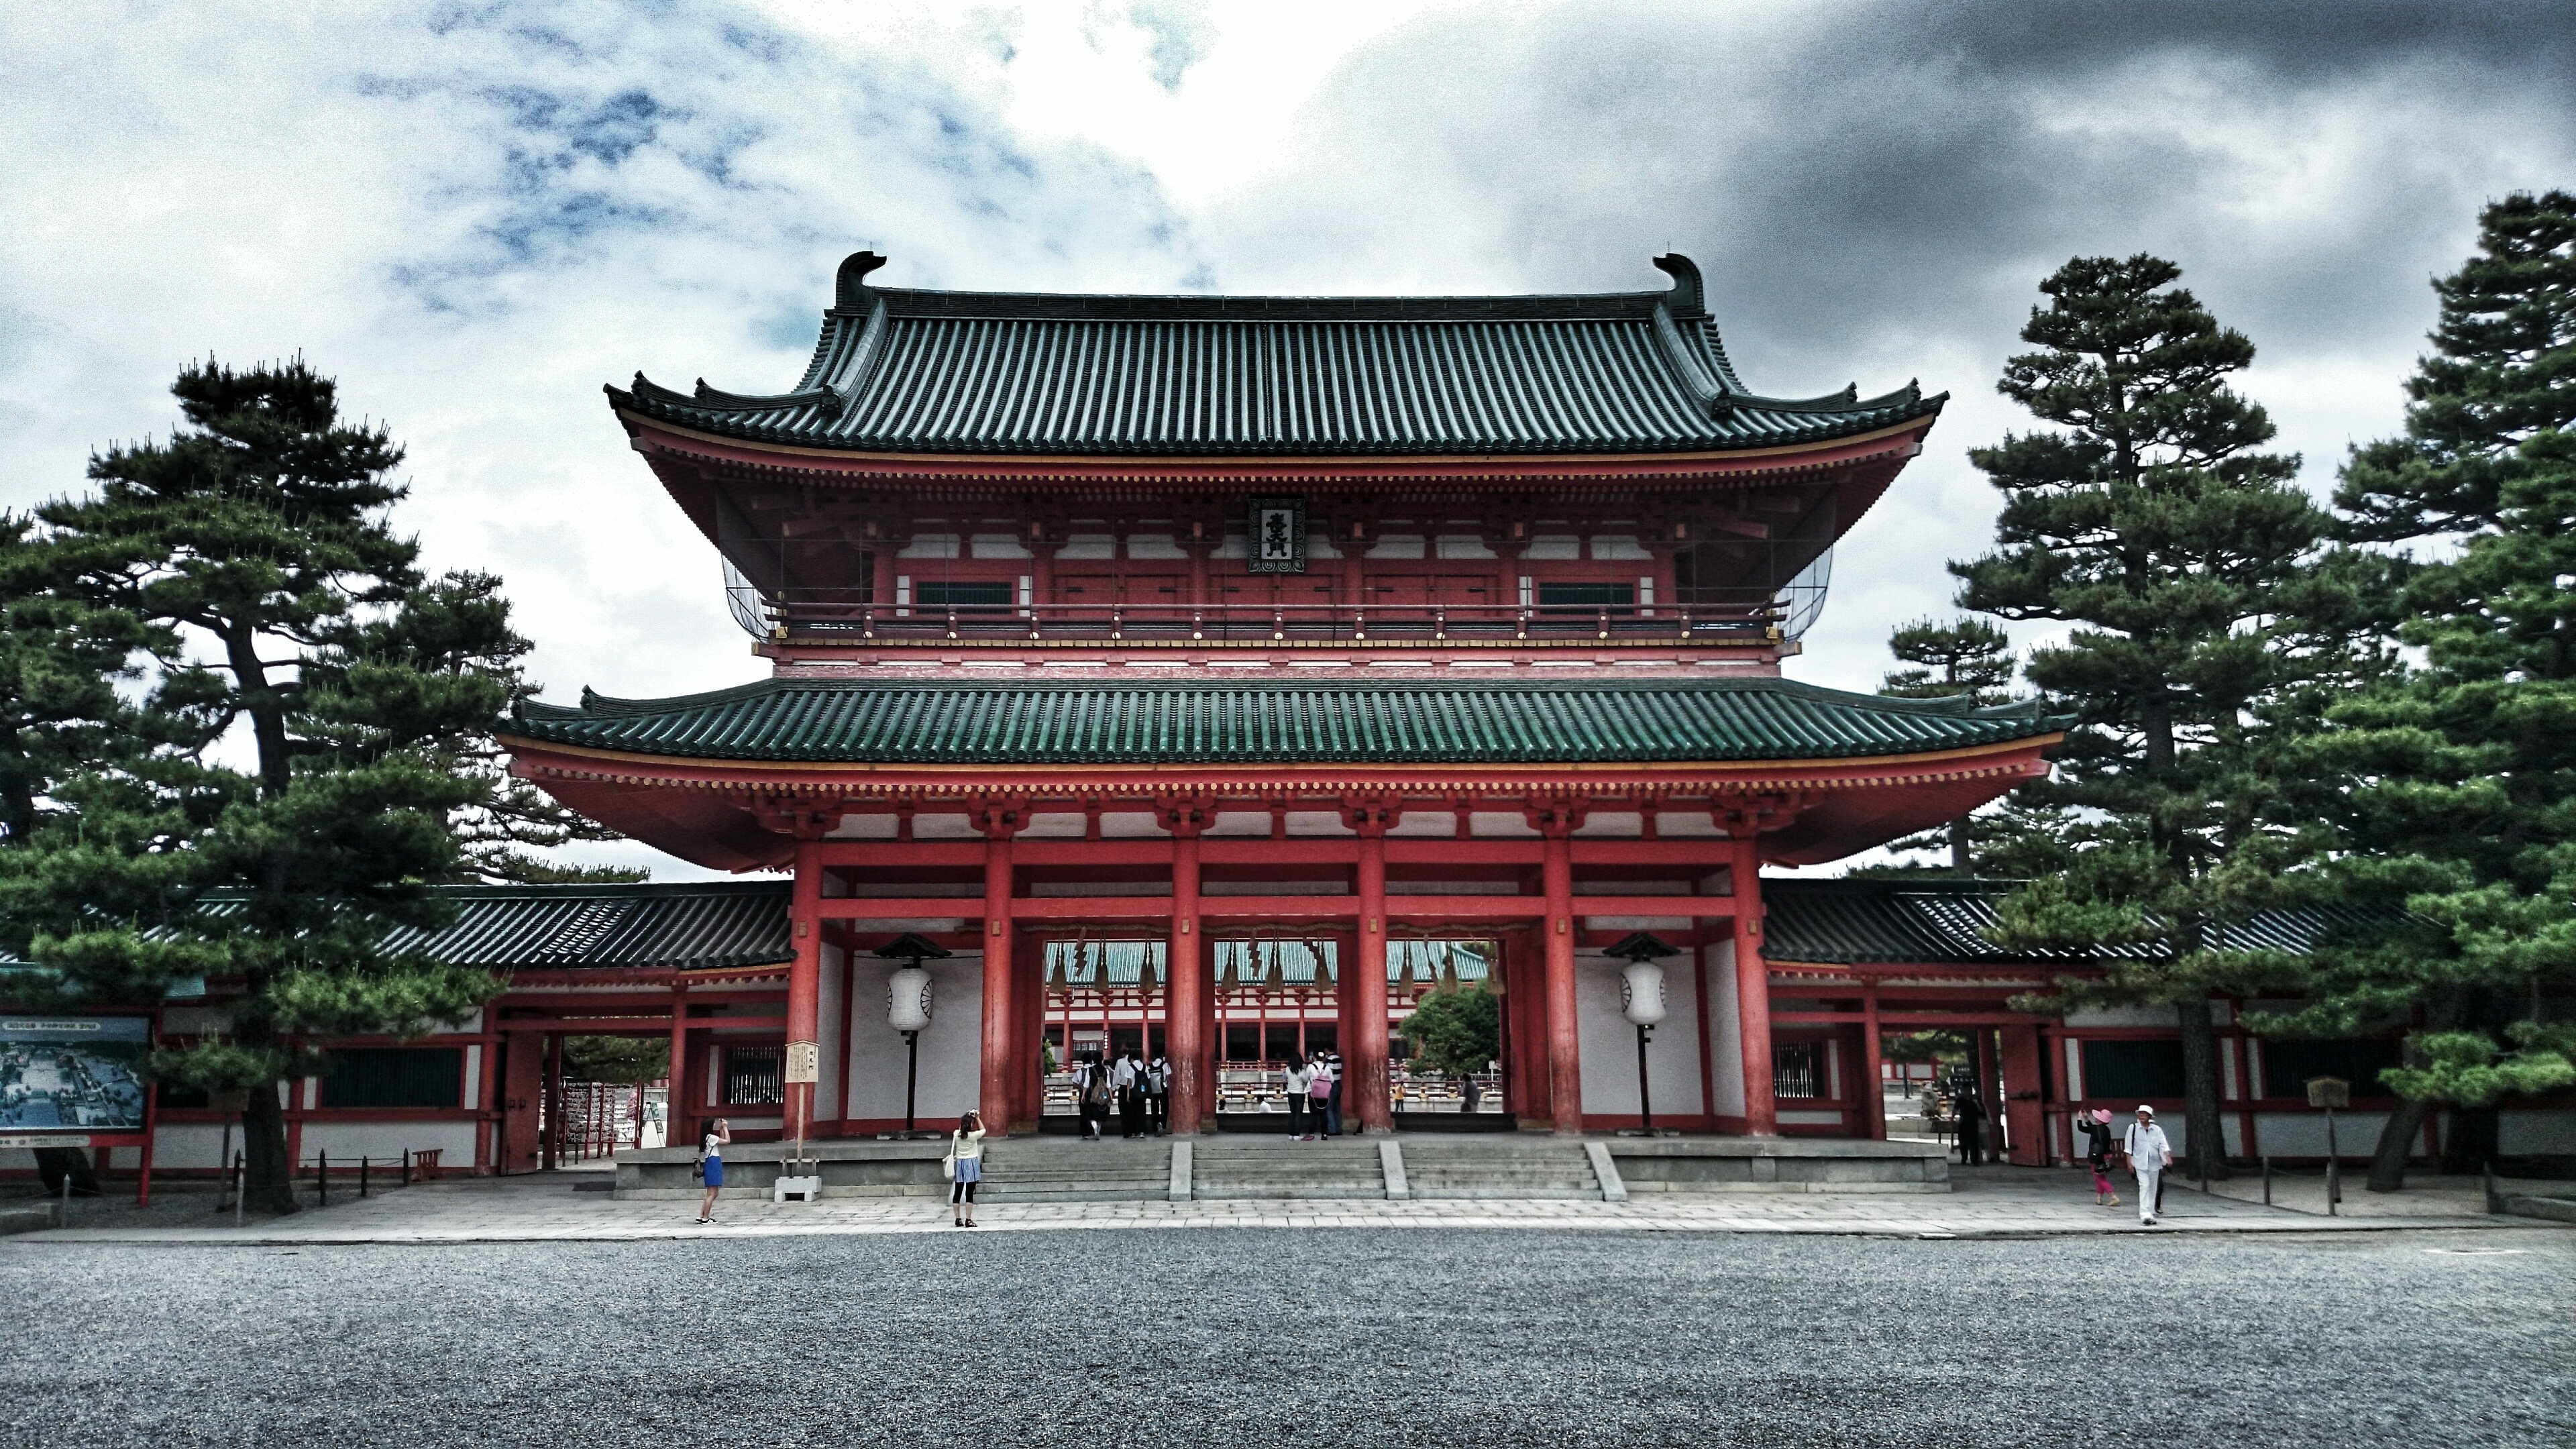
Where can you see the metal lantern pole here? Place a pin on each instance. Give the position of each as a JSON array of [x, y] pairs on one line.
[[1641, 999], [911, 1078], [908, 1011]]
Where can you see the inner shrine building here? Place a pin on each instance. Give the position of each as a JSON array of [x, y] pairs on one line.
[[1219, 674]]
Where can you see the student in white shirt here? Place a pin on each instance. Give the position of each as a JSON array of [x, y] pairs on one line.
[[2149, 1155], [1297, 1080]]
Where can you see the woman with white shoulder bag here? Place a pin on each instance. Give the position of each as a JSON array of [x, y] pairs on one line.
[[964, 1167]]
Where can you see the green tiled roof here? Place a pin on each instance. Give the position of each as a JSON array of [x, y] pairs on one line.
[[1935, 920], [1376, 722], [682, 925], [1019, 373]]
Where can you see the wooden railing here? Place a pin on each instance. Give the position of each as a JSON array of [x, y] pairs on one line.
[[818, 615]]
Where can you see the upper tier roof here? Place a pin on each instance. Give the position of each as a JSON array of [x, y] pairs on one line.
[[1372, 722], [902, 371]]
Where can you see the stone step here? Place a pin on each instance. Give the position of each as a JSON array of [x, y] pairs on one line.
[[1501, 1169], [1280, 1170]]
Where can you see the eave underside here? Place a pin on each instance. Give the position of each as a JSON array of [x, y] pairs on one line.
[[1807, 812]]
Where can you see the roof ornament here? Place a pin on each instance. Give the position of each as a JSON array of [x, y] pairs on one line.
[[850, 288], [1688, 300]]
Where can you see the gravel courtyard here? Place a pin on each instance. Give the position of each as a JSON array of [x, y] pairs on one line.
[[1329, 1337]]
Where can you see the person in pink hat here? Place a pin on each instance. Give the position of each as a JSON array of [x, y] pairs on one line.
[[2097, 1154]]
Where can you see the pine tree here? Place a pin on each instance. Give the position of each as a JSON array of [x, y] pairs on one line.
[[2457, 781], [251, 563], [2153, 523], [1965, 656]]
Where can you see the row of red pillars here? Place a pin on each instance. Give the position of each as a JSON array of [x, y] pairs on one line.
[[1186, 1005]]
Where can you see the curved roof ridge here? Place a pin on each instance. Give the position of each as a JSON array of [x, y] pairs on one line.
[[1003, 373]]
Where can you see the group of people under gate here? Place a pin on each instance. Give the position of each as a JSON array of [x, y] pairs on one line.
[[1138, 1090]]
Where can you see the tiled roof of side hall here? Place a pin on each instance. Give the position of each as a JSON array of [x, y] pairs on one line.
[[1942, 920], [907, 371], [680, 925], [1378, 722]]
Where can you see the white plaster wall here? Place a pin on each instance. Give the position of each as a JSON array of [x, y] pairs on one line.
[[194, 1021], [1317, 822], [1241, 823], [942, 827], [1500, 825], [1616, 824], [2123, 1016], [386, 1142], [2297, 1134], [1609, 1043], [951, 1046], [2551, 1132], [1725, 1032], [863, 827], [1427, 824], [191, 1144], [1130, 825], [1056, 825], [1687, 825]]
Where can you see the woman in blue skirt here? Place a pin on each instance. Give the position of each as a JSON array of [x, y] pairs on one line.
[[965, 1167], [711, 1165]]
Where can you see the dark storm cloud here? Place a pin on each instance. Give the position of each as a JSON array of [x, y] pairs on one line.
[[1854, 168]]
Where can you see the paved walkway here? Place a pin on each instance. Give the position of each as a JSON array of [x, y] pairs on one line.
[[1988, 1202]]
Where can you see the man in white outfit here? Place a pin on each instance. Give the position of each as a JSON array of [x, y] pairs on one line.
[[2149, 1155]]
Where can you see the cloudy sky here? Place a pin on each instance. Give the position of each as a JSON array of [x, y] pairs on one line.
[[474, 214]]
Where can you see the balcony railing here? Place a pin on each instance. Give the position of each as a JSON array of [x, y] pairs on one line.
[[817, 615]]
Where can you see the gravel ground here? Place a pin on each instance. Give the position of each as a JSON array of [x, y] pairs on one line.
[[1336, 1338]]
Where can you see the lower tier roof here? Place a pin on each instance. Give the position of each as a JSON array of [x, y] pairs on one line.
[[1343, 722]]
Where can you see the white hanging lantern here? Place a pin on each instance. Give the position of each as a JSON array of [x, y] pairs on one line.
[[908, 999], [1641, 992]]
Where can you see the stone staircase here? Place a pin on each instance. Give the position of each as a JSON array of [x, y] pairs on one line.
[[1060, 1170], [1268, 1168], [1497, 1166]]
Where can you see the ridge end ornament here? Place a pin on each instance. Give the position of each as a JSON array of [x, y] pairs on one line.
[[1276, 539]]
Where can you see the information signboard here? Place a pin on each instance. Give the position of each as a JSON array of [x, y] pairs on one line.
[[72, 1081]]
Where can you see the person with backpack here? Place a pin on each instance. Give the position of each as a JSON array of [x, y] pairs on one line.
[[1091, 1094], [1319, 1097], [2096, 1127], [1158, 1099], [2150, 1153], [710, 1167], [1293, 1085], [965, 1167]]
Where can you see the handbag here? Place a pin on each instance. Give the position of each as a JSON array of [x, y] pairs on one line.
[[948, 1166]]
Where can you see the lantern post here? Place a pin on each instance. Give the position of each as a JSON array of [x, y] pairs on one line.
[[908, 1011], [1641, 1000]]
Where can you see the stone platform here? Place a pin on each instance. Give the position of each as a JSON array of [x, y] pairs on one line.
[[1221, 1166]]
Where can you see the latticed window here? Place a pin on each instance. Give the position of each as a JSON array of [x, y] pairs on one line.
[[1619, 599], [1798, 1070], [393, 1077], [755, 1076]]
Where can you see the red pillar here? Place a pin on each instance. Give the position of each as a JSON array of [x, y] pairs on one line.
[[1753, 990], [1564, 1047], [995, 1098], [1185, 986], [678, 1123], [1364, 1087], [805, 983], [1873, 1091]]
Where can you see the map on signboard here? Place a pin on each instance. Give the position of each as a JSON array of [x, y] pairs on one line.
[[73, 1073]]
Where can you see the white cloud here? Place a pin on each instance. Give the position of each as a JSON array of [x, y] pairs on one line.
[[475, 214]]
